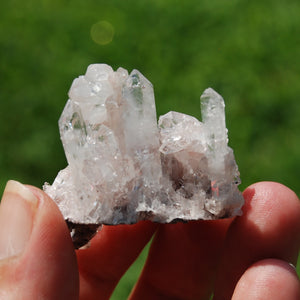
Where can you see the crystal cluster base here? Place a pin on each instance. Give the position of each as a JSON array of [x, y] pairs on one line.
[[123, 167]]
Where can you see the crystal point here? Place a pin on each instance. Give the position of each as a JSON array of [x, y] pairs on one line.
[[123, 167]]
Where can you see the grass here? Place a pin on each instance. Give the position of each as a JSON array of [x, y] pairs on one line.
[[130, 278], [246, 50]]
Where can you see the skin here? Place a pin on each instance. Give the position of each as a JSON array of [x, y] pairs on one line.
[[245, 257]]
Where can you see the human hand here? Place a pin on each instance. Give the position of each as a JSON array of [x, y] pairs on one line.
[[246, 257]]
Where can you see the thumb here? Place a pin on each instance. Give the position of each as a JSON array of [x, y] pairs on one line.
[[37, 258]]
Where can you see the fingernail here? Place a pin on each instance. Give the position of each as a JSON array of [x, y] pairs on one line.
[[17, 211], [294, 267]]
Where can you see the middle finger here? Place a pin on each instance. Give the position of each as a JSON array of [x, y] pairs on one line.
[[182, 261]]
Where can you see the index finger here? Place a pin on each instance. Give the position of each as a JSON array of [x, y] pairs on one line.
[[110, 254]]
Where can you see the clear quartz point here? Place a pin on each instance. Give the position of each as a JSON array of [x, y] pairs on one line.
[[123, 167]]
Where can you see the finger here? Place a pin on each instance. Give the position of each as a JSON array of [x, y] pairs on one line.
[[37, 256], [269, 279], [269, 228], [110, 254], [182, 261]]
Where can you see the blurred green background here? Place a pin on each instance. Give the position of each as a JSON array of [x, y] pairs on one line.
[[248, 51]]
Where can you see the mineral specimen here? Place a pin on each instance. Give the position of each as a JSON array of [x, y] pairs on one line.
[[123, 167]]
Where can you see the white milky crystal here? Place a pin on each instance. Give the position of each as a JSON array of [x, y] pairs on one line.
[[123, 167]]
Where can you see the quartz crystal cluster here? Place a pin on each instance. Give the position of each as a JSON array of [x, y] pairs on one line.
[[124, 167]]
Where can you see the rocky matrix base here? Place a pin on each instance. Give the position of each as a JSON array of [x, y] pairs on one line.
[[123, 167]]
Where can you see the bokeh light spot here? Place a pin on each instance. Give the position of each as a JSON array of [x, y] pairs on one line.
[[102, 32]]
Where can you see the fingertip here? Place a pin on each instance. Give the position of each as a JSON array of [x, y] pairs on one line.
[[267, 195], [271, 205], [52, 249], [269, 227], [269, 189], [50, 231], [47, 265], [269, 279]]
